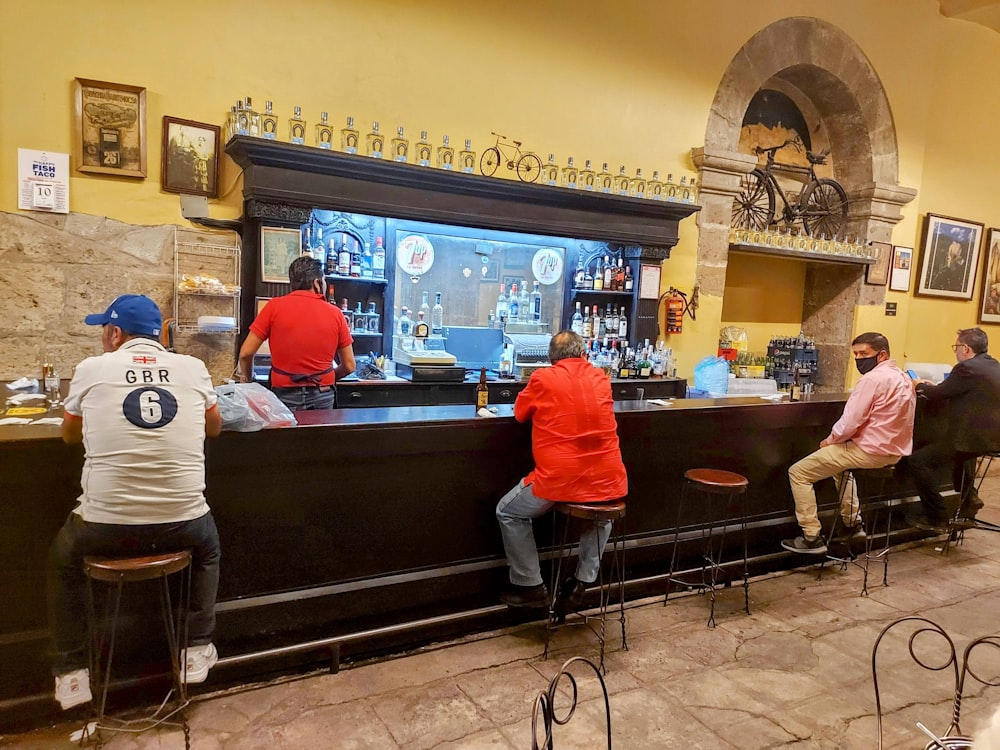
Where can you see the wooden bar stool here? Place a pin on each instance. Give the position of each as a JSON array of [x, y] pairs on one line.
[[872, 507], [589, 513], [722, 486], [117, 572]]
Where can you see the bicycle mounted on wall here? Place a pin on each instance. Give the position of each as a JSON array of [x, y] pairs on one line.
[[527, 164], [822, 204]]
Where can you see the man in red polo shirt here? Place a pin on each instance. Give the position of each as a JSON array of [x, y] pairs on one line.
[[574, 441], [306, 333]]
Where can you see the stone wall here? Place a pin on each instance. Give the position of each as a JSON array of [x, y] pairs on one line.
[[56, 269]]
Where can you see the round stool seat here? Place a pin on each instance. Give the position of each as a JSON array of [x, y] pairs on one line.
[[130, 569], [717, 481], [593, 511]]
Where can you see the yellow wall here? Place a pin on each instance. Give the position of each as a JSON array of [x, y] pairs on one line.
[[764, 297], [627, 83]]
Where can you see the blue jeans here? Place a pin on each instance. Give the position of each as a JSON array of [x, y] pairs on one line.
[[67, 583], [307, 398], [515, 512]]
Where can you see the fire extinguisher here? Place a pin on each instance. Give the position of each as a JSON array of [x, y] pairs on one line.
[[675, 311]]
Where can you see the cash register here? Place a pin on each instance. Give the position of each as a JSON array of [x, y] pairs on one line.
[[530, 351], [421, 358]]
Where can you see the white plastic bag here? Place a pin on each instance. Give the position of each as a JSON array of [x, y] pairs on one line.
[[712, 374], [267, 406], [235, 409]]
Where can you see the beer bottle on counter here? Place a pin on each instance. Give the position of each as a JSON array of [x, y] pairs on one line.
[[796, 392], [482, 394]]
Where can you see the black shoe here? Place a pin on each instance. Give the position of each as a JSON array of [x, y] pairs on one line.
[[970, 506], [855, 533], [531, 597], [925, 523], [805, 546], [571, 596]]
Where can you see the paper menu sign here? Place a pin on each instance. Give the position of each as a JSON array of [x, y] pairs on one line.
[[43, 181]]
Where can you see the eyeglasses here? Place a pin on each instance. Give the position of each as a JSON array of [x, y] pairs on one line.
[[956, 347]]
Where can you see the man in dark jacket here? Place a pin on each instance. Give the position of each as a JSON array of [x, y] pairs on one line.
[[973, 393]]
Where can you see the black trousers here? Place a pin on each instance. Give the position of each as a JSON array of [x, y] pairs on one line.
[[923, 464]]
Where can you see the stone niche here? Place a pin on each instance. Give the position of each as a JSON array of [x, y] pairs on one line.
[[56, 269], [829, 78]]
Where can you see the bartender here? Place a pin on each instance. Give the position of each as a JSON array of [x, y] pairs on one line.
[[306, 333]]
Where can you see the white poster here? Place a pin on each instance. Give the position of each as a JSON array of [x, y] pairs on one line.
[[43, 181]]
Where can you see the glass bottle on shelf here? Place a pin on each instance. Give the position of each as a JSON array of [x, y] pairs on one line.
[[305, 243], [576, 325], [595, 324], [608, 271], [588, 325], [502, 306], [619, 276], [605, 183], [378, 260], [269, 123], [349, 138], [467, 158], [513, 306], [621, 182], [348, 314], [425, 308], [232, 122], [297, 127], [344, 257], [423, 150], [375, 142], [550, 172], [670, 188], [569, 173], [400, 146], [580, 274], [437, 316], [524, 304], [324, 133], [629, 281], [654, 188], [588, 279], [587, 179], [368, 262], [612, 322], [242, 118], [445, 155], [373, 318], [536, 304], [355, 267], [637, 185], [598, 276], [317, 250], [360, 320], [684, 191], [331, 258], [693, 185], [253, 119], [404, 326]]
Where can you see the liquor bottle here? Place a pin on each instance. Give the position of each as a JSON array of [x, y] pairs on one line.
[[318, 251], [683, 191], [629, 281], [524, 304], [608, 270], [513, 307], [367, 262], [355, 268], [625, 369], [654, 188], [437, 316], [620, 276], [623, 325], [588, 279], [550, 172], [404, 326], [659, 360], [375, 142], [595, 324], [372, 318], [588, 327], [306, 248], [269, 123], [360, 319], [621, 182], [348, 315], [536, 304], [578, 277], [612, 324], [423, 150], [378, 259], [605, 183], [343, 257], [242, 118], [796, 392], [598, 276], [253, 119], [424, 313], [467, 158], [615, 360], [637, 185], [231, 123], [324, 132], [569, 173], [400, 146], [587, 179], [445, 155], [331, 258], [482, 392], [576, 325], [670, 188], [644, 366], [297, 127], [349, 138], [694, 190], [502, 306]]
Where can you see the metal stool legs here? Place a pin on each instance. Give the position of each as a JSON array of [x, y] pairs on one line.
[[869, 513]]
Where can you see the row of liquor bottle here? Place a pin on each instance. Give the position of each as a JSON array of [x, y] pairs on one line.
[[244, 120], [841, 245], [406, 325], [345, 257], [625, 362], [519, 307], [613, 324], [607, 276], [360, 320]]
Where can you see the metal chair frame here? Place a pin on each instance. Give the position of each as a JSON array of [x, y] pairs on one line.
[[544, 708]]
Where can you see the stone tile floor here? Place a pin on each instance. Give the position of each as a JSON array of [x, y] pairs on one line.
[[794, 673]]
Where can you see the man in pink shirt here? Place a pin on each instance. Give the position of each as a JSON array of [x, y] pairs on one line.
[[875, 430]]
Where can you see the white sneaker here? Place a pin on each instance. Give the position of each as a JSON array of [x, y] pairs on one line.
[[198, 660], [73, 688]]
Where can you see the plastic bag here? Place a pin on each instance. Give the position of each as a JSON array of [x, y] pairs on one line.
[[712, 374], [267, 405], [235, 410]]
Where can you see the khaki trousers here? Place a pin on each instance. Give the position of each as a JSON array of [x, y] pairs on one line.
[[831, 461]]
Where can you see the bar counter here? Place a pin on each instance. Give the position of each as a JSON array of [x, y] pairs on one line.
[[363, 520]]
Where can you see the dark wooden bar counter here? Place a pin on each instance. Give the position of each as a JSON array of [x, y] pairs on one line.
[[363, 520]]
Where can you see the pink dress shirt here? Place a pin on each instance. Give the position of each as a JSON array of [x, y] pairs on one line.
[[878, 416]]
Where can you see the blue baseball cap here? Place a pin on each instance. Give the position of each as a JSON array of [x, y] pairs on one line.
[[133, 313]]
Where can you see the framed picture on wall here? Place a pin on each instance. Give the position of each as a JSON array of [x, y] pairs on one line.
[[949, 256], [189, 157], [877, 274], [989, 306], [278, 248], [109, 128], [902, 265]]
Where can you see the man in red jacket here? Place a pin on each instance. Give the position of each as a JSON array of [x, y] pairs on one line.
[[574, 441]]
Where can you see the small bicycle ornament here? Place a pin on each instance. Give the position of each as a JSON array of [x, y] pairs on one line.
[[527, 165]]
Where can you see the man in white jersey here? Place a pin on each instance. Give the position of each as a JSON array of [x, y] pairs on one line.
[[142, 414]]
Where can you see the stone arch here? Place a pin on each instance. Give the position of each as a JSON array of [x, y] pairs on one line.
[[828, 75]]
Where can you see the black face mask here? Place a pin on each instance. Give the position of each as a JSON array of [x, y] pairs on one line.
[[866, 364]]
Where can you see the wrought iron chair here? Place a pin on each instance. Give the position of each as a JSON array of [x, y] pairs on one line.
[[544, 709]]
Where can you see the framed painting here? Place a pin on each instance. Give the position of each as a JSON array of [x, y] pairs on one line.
[[902, 265], [949, 256], [877, 273], [278, 248], [989, 305], [189, 157], [109, 128]]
